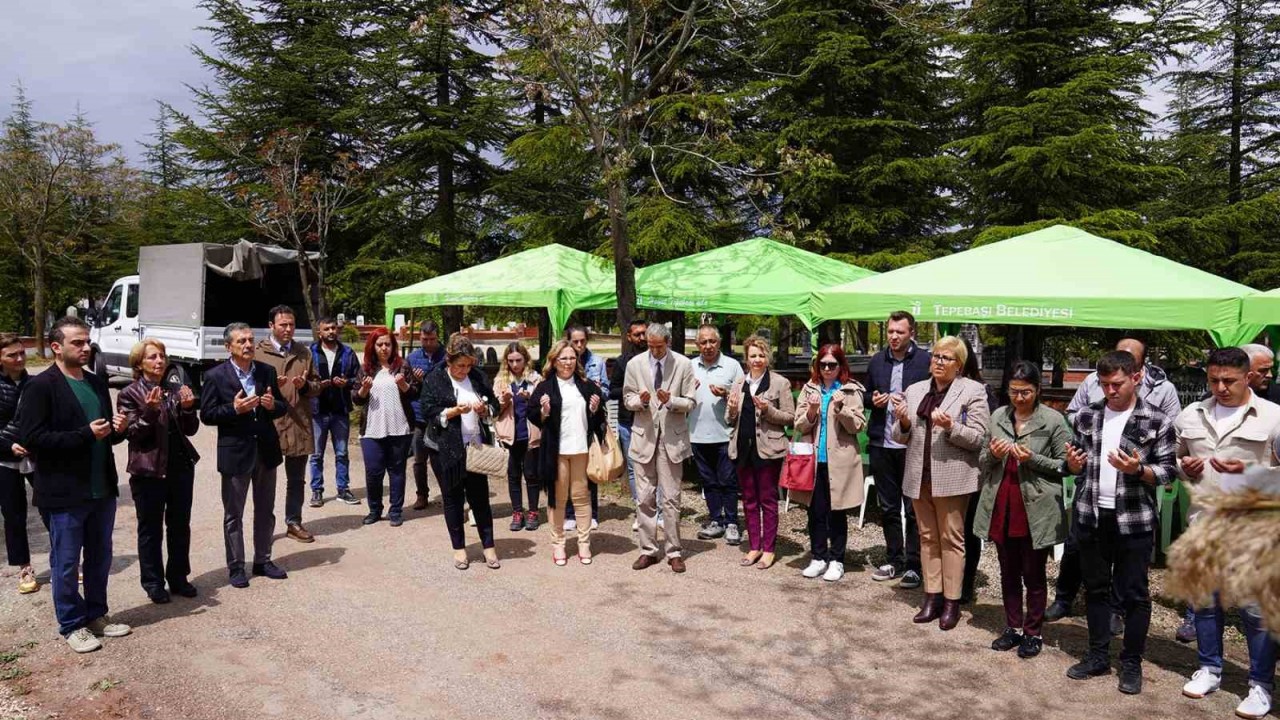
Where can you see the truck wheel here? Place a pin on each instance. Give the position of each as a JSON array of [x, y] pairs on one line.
[[99, 364]]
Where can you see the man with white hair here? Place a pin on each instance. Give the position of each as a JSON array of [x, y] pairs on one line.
[[1261, 362]]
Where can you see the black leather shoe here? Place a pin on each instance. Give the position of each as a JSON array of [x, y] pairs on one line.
[[238, 578], [395, 521], [1008, 640], [1090, 666], [1030, 647], [159, 596], [371, 518], [1058, 610], [270, 570], [1131, 679], [186, 590]]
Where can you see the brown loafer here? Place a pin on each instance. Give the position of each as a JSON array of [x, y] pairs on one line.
[[299, 533], [644, 561], [950, 616], [677, 564], [420, 503], [930, 609]]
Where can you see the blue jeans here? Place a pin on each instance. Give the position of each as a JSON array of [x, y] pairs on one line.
[[323, 427], [385, 455], [83, 528], [1262, 647], [624, 438]]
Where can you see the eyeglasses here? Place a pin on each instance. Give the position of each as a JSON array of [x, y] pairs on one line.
[[828, 365], [943, 359]]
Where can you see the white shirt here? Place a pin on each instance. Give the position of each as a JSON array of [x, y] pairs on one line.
[[470, 420], [1225, 417], [573, 418], [330, 356], [384, 416], [1113, 423], [754, 383]]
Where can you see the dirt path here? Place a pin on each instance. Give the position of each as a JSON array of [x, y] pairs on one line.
[[374, 622]]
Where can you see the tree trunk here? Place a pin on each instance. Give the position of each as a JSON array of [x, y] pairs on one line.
[[677, 332], [624, 270], [828, 333], [782, 353], [308, 296], [450, 315], [1235, 171], [863, 333], [37, 285], [544, 334]]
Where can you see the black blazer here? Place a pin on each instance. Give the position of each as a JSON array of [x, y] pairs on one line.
[[245, 439], [438, 396], [549, 448], [54, 429]]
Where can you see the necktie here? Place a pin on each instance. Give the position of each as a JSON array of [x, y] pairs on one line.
[[657, 377]]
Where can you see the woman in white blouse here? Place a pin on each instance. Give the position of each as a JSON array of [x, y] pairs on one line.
[[385, 389], [570, 410]]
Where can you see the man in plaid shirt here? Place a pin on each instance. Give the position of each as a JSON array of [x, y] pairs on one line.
[[1123, 447]]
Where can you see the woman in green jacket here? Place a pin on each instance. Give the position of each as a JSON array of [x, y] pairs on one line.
[[1020, 503]]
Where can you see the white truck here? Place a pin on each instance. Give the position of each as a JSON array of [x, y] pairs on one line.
[[185, 295]]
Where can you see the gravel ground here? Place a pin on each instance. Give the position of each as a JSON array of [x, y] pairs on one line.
[[374, 622]]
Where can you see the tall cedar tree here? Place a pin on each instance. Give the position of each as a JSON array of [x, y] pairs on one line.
[[850, 114], [1050, 123], [282, 69]]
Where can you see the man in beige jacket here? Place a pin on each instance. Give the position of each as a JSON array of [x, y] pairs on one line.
[[659, 388], [298, 383], [1219, 437]]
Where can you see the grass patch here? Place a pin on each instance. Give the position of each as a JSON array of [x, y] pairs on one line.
[[9, 656], [105, 684], [13, 672]]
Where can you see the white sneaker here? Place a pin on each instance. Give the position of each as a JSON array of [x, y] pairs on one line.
[[635, 525], [835, 571], [1256, 704], [103, 627], [83, 641], [1203, 682], [570, 524], [471, 518], [816, 568], [595, 524]]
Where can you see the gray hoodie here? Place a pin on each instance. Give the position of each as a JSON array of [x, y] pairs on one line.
[[1155, 390]]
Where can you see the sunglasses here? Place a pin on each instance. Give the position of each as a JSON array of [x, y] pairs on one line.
[[828, 365]]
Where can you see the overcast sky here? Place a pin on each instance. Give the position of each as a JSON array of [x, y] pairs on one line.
[[115, 58]]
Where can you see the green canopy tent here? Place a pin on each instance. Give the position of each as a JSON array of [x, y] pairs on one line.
[[553, 276], [1056, 276], [1262, 308], [753, 277]]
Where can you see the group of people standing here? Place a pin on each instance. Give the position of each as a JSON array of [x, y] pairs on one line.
[[951, 467]]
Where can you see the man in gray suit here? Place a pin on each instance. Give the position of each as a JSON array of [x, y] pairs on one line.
[[659, 388]]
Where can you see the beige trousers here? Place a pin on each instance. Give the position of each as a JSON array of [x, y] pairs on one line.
[[941, 523], [658, 474], [572, 483]]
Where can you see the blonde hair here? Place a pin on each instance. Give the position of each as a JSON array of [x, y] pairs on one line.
[[955, 346], [756, 341], [139, 352], [549, 368], [504, 372]]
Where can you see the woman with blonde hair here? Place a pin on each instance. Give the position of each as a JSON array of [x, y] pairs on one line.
[[760, 409], [943, 422], [514, 384], [162, 464], [570, 410]]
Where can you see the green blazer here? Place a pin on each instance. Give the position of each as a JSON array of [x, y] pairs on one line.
[[1046, 435]]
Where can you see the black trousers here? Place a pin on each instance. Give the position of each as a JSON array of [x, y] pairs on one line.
[[1067, 585], [522, 466], [828, 529], [295, 487], [472, 488], [888, 466], [1111, 562], [972, 548], [164, 520], [13, 507]]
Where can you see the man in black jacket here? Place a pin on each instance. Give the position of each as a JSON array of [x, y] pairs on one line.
[[890, 373], [242, 399], [15, 465], [66, 424], [636, 344]]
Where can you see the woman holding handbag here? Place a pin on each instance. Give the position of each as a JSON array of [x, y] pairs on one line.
[[830, 409], [758, 444], [571, 413], [513, 386], [456, 399], [384, 390]]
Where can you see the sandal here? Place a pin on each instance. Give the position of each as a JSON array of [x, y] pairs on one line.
[[27, 583], [584, 559], [461, 562], [750, 558], [559, 558], [491, 561], [766, 561]]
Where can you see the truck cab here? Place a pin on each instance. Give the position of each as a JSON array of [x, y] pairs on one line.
[[115, 328]]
